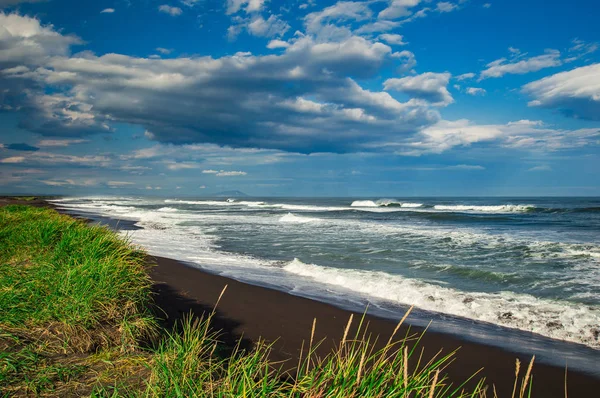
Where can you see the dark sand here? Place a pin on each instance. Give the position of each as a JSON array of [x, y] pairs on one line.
[[254, 312]]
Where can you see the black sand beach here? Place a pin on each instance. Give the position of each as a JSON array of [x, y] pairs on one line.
[[256, 312]]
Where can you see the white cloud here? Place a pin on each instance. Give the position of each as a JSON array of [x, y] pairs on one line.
[[24, 41], [581, 48], [60, 143], [202, 187], [223, 173], [465, 167], [69, 182], [393, 39], [445, 6], [487, 5], [521, 135], [119, 183], [233, 6], [275, 43], [107, 11], [165, 51], [398, 8], [172, 11], [575, 93], [273, 26], [13, 159], [541, 168], [476, 91], [241, 96], [409, 60], [431, 87], [465, 76], [183, 166], [501, 67]]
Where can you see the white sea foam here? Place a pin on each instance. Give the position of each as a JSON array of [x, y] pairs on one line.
[[412, 205], [164, 234], [486, 209], [168, 210], [554, 319], [363, 203], [291, 218]]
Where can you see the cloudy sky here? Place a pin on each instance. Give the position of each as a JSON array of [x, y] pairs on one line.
[[300, 97]]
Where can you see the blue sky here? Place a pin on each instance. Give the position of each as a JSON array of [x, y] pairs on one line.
[[300, 98]]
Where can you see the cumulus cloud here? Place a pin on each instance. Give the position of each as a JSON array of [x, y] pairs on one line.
[[521, 135], [271, 27], [275, 43], [172, 11], [234, 6], [408, 58], [476, 91], [107, 11], [393, 39], [465, 76], [398, 8], [329, 22], [25, 41], [502, 66], [274, 101], [575, 93], [431, 87], [165, 51], [446, 6]]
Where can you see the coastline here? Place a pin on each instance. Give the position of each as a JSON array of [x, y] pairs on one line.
[[251, 312]]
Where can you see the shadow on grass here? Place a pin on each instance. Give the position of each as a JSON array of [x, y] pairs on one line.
[[170, 308]]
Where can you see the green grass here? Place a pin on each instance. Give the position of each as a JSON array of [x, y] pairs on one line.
[[75, 302]]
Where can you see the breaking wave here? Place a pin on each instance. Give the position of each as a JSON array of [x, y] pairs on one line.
[[559, 320]]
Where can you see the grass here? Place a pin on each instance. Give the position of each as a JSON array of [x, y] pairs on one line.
[[75, 320]]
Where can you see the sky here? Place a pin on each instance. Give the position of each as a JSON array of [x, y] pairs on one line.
[[393, 98]]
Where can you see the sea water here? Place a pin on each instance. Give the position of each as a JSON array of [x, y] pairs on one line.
[[505, 271]]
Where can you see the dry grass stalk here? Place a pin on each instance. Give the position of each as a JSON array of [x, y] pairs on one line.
[[435, 379]]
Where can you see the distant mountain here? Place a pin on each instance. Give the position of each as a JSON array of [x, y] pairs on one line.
[[231, 194]]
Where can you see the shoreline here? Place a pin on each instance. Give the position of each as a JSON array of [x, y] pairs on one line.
[[254, 312]]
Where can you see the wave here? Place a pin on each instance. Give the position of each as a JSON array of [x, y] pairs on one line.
[[363, 203], [168, 210], [385, 203], [291, 218], [487, 209], [559, 320]]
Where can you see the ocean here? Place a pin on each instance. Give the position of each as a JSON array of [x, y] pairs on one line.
[[506, 271]]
